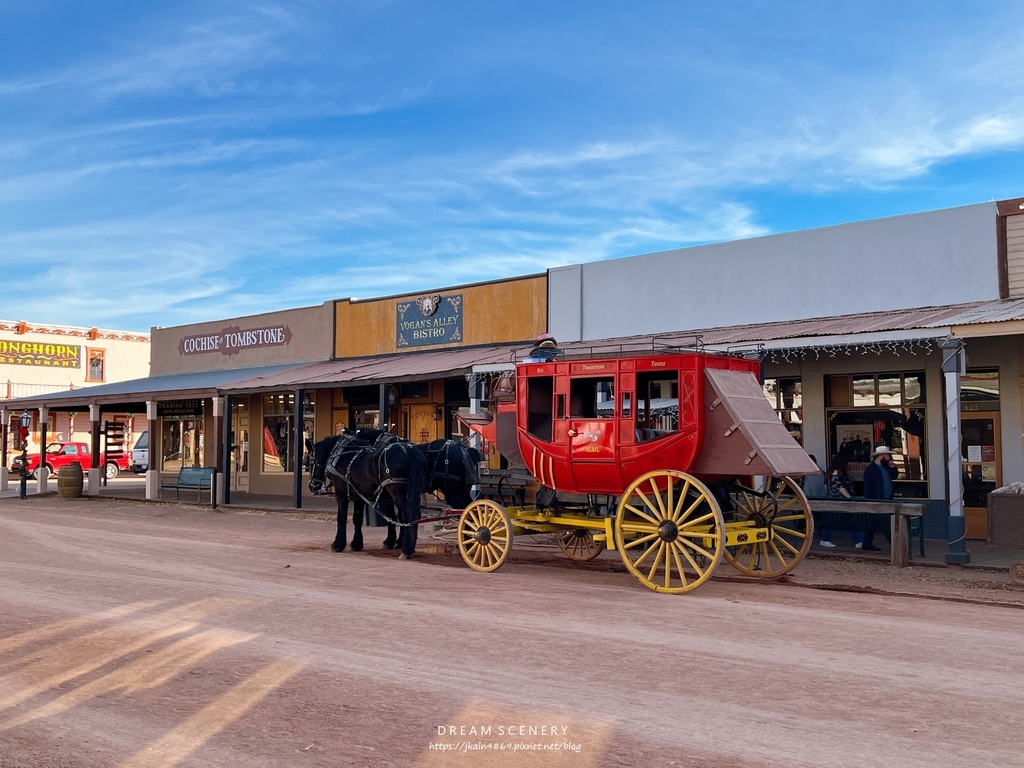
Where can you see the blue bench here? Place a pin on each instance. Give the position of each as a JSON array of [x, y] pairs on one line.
[[196, 479]]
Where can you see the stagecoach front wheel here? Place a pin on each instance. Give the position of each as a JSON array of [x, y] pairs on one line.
[[484, 535], [669, 531], [779, 504], [578, 544]]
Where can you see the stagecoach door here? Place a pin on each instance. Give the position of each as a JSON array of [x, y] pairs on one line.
[[240, 445], [592, 430]]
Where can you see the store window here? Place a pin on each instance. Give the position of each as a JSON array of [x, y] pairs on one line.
[[868, 410], [96, 366], [279, 431], [786, 396], [182, 443]]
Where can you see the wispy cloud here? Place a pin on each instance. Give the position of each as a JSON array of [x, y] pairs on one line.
[[285, 156]]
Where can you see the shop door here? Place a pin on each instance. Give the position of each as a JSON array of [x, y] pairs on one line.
[[423, 426], [981, 468], [240, 448]]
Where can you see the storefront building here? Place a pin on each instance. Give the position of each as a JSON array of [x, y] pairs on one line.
[[894, 332], [859, 325], [36, 359]]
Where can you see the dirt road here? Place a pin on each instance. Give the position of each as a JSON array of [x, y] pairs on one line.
[[152, 635]]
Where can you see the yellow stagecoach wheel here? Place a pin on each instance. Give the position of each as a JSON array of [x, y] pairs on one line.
[[782, 507], [484, 535], [578, 544], [669, 531]]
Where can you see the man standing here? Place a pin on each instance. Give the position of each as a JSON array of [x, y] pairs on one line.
[[878, 478]]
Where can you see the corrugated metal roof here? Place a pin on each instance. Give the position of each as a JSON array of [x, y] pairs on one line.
[[380, 369], [801, 332], [990, 312], [168, 387]]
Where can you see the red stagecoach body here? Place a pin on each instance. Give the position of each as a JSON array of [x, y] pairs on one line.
[[594, 425]]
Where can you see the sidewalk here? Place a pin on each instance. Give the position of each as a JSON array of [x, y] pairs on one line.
[[132, 487]]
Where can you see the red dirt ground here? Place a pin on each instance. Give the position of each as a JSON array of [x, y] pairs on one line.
[[137, 634]]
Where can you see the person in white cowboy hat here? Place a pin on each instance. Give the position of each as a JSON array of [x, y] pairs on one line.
[[878, 477]]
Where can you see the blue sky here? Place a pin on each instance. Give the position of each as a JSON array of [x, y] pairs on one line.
[[169, 163]]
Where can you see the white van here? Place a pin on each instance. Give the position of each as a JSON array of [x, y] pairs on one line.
[[140, 454]]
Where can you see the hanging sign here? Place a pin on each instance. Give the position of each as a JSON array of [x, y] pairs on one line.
[[428, 320]]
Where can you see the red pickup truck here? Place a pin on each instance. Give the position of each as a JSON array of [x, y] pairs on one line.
[[61, 454]]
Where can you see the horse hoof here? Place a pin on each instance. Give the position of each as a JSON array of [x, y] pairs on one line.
[[389, 545], [336, 548], [404, 556], [357, 548]]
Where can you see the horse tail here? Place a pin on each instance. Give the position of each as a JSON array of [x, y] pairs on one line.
[[416, 484]]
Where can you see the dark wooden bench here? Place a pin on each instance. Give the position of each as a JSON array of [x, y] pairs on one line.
[[874, 515], [196, 479]]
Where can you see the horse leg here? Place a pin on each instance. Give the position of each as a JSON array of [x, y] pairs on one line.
[[357, 525], [410, 530], [394, 536], [338, 544]]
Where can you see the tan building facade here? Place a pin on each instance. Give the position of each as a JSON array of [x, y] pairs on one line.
[[37, 358]]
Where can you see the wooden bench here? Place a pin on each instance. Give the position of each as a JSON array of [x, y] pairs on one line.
[[195, 479], [863, 515]]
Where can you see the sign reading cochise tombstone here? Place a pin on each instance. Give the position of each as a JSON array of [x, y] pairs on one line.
[[232, 340], [432, 319]]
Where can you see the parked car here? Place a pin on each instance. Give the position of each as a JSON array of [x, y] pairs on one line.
[[62, 454], [140, 454]]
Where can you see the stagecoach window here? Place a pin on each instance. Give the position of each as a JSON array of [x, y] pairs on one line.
[[657, 404], [539, 401], [592, 398], [627, 405], [279, 430]]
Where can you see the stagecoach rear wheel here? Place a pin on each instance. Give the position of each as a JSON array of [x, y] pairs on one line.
[[578, 544], [669, 531], [780, 505], [484, 535]]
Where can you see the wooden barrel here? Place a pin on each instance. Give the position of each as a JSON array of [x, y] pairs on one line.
[[69, 481]]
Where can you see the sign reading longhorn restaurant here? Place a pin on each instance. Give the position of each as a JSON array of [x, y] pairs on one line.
[[432, 319], [232, 340], [40, 353]]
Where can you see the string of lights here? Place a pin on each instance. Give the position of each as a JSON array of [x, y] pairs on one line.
[[895, 348]]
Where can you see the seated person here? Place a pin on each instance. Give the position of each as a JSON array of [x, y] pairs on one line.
[[545, 350]]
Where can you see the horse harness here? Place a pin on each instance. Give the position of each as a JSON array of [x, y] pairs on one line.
[[347, 451]]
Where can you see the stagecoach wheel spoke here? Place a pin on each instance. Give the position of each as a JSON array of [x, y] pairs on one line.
[[668, 530], [787, 514], [484, 535], [578, 544]]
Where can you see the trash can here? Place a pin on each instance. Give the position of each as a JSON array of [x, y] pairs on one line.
[[69, 481]]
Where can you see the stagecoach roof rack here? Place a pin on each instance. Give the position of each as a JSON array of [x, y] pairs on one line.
[[652, 345], [656, 345]]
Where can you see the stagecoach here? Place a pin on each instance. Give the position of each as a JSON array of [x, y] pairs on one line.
[[671, 457]]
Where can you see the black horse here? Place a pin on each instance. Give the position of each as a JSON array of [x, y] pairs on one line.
[[453, 467], [366, 473]]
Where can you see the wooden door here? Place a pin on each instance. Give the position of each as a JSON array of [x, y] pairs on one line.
[[981, 462]]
